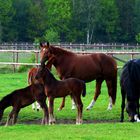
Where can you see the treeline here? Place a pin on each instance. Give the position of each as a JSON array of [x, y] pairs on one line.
[[75, 21]]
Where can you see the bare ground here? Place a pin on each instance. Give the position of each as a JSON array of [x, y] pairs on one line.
[[64, 121]]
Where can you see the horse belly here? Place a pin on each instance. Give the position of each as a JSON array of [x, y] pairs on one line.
[[87, 74]]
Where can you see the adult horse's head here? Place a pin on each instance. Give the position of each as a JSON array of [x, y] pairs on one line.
[[45, 52], [131, 110]]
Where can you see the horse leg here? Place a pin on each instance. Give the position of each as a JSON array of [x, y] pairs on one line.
[[112, 87], [80, 110], [1, 115], [33, 106], [62, 104], [97, 93], [15, 115], [123, 104], [8, 122], [37, 106], [79, 104], [51, 116], [44, 107], [73, 104], [109, 86]]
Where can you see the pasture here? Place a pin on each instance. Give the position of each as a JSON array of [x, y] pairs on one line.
[[98, 122]]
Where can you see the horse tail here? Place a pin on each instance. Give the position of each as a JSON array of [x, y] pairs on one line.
[[29, 80], [31, 75], [114, 88], [84, 90]]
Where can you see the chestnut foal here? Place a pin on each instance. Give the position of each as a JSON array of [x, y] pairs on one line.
[[21, 98], [31, 80], [55, 88]]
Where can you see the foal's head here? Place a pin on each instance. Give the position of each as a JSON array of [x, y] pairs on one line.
[[44, 75], [40, 74]]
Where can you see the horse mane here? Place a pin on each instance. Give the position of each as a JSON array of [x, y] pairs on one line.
[[49, 74], [60, 51]]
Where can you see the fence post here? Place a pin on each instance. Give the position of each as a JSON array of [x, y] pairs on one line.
[[36, 54], [132, 56], [14, 68]]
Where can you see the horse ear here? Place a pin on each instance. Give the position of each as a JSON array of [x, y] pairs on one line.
[[41, 44], [48, 44]]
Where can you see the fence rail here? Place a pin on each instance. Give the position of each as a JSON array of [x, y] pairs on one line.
[[36, 52], [34, 46]]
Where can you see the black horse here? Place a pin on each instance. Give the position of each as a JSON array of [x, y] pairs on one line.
[[130, 89]]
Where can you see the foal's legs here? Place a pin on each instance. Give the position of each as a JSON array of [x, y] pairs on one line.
[[79, 105], [62, 104], [51, 116], [97, 93], [12, 117], [44, 107]]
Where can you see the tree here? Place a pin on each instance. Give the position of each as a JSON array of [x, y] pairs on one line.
[[106, 24], [126, 20], [37, 21], [6, 14], [58, 17]]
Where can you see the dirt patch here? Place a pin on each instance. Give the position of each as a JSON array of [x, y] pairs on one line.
[[64, 121]]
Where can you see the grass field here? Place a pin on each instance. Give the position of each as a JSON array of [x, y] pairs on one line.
[[98, 122]]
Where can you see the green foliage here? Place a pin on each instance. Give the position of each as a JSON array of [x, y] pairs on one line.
[[138, 37], [76, 21], [52, 36], [23, 68]]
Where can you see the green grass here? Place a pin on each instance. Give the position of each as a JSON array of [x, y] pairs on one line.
[[115, 131], [102, 124]]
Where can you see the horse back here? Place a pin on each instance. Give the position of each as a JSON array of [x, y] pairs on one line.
[[76, 85], [87, 67]]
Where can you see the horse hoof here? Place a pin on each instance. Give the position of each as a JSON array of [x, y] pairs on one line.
[[109, 108], [51, 123], [77, 123], [73, 108], [59, 109], [121, 121], [87, 109]]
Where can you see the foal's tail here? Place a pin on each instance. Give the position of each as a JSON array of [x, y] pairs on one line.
[[84, 90]]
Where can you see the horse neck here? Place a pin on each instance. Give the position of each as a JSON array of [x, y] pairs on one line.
[[61, 55], [49, 79], [61, 61]]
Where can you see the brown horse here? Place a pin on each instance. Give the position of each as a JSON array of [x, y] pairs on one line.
[[54, 89], [31, 80], [21, 98], [96, 66]]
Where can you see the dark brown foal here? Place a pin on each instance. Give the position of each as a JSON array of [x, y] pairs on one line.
[[31, 80], [54, 89], [21, 98]]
